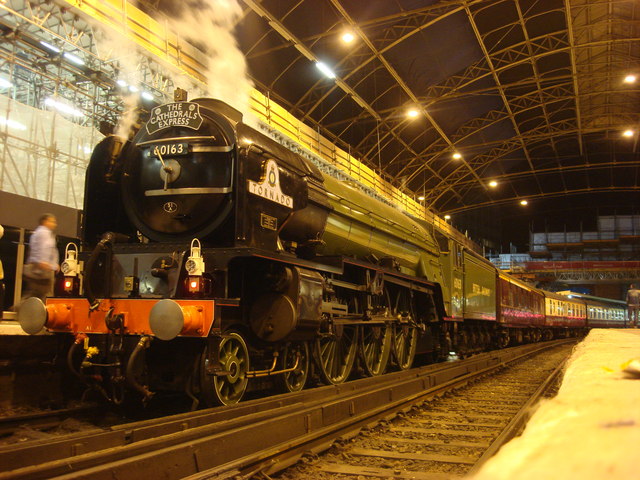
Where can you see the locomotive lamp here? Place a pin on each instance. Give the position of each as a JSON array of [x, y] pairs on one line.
[[196, 282], [71, 270]]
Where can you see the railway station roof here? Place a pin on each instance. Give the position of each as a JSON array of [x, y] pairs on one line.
[[488, 109], [533, 95]]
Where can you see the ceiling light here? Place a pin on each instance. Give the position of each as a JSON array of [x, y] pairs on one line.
[[12, 124], [122, 83], [493, 184], [447, 217], [5, 83], [457, 156], [628, 133], [63, 107], [412, 113], [48, 46], [147, 96], [523, 202], [348, 37], [421, 198], [133, 88], [73, 58], [326, 70], [630, 79]]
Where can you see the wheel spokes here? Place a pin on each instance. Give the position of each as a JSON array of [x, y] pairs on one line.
[[335, 355], [375, 347], [295, 353], [405, 343], [233, 355]]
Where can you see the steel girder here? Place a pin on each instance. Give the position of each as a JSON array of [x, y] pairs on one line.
[[38, 71], [570, 95]]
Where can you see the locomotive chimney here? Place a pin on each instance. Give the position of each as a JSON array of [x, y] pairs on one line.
[[180, 95]]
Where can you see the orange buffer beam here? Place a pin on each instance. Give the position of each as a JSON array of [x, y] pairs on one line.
[[165, 319]]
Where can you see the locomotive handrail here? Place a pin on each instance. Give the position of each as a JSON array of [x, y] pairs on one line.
[[187, 191], [182, 139]]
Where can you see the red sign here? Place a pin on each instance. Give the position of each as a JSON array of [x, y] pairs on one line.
[[566, 266]]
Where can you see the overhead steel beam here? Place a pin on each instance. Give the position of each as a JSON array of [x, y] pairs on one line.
[[563, 193], [297, 43], [563, 127], [587, 167], [307, 53], [574, 71], [398, 79]]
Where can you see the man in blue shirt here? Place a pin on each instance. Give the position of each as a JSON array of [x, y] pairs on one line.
[[42, 263]]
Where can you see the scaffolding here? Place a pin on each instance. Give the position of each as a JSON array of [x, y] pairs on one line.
[[43, 155]]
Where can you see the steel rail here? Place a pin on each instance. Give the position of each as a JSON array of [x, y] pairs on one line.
[[225, 440], [277, 458], [44, 420], [519, 421]]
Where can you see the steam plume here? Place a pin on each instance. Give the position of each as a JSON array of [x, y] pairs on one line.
[[209, 24]]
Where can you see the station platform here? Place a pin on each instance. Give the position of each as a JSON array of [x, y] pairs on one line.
[[591, 429]]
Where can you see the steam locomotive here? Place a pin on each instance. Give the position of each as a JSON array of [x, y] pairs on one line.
[[216, 255]]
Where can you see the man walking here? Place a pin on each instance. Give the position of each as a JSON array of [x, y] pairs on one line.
[[42, 263], [633, 305]]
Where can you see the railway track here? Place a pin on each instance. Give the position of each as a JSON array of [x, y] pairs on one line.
[[46, 420], [444, 438], [265, 435]]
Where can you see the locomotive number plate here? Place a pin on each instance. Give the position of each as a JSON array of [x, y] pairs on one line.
[[169, 149]]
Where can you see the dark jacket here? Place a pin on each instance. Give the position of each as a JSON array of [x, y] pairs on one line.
[[633, 297]]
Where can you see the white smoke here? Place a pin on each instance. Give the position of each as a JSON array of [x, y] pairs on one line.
[[209, 25], [129, 116], [122, 52]]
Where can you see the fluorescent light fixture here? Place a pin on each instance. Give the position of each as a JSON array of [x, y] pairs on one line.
[[4, 83], [412, 113], [493, 184], [133, 88], [630, 79], [421, 198], [73, 58], [147, 96], [7, 122], [326, 70], [628, 133], [348, 37], [457, 156], [447, 217], [48, 46], [523, 202], [121, 82], [63, 107]]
